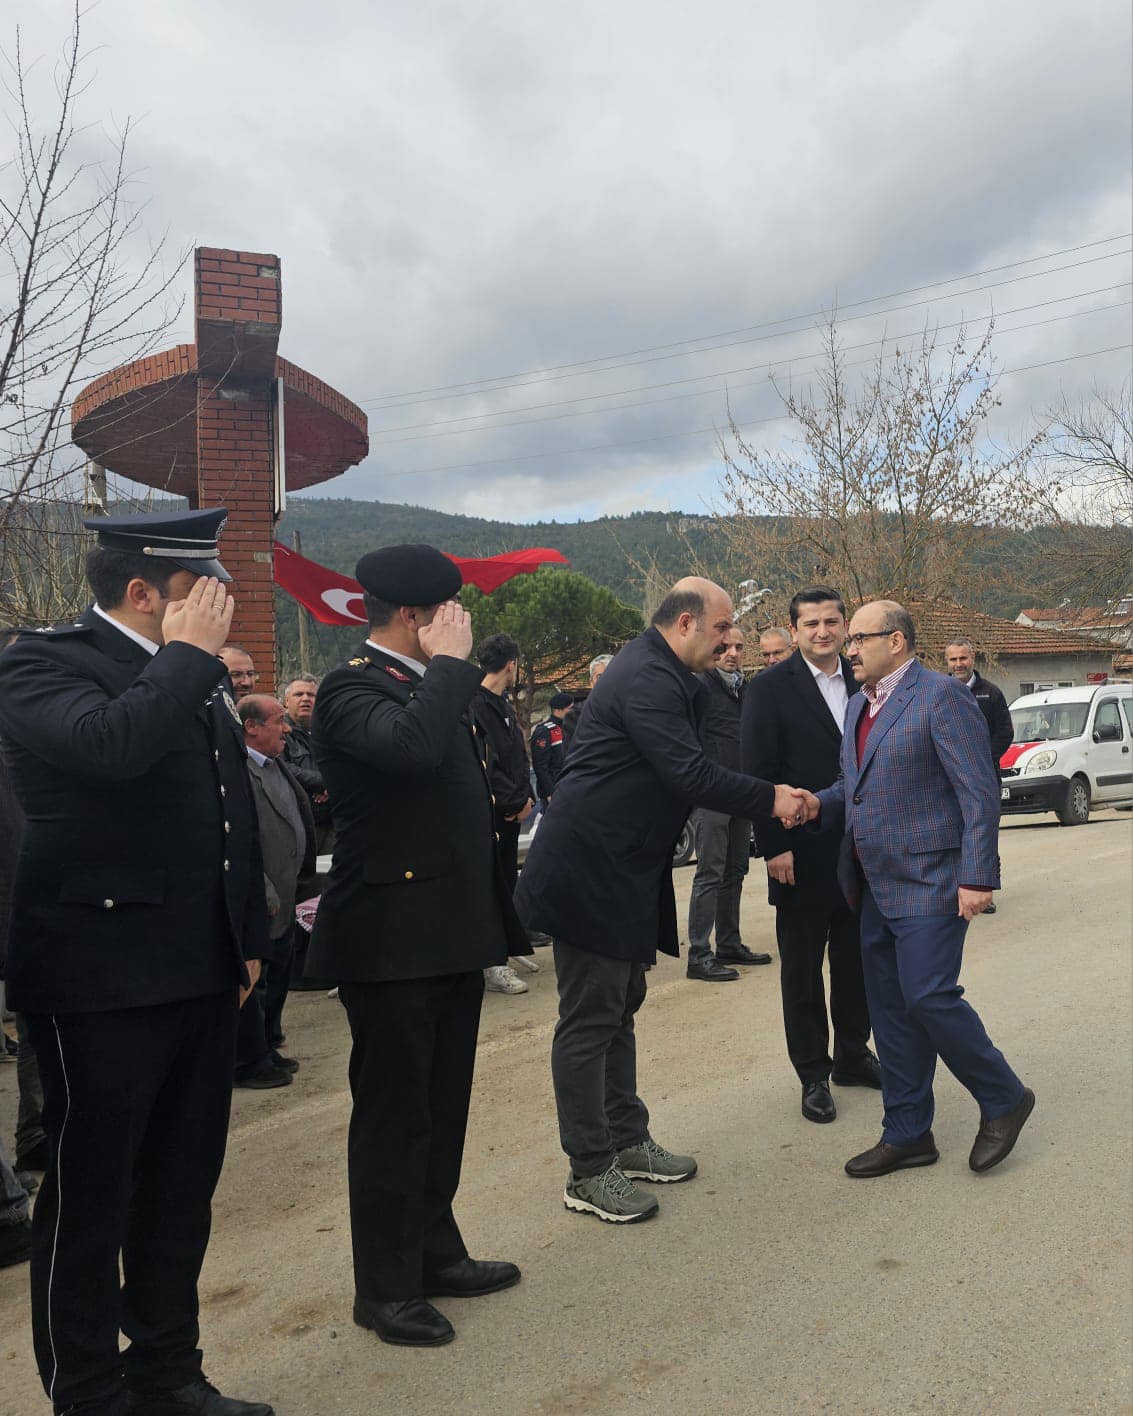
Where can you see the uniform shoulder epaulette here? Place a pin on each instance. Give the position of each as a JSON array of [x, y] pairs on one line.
[[53, 631], [357, 663]]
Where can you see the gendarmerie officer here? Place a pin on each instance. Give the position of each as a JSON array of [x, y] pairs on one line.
[[414, 909], [137, 906], [548, 746]]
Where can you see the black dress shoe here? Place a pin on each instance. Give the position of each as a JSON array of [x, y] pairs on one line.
[[286, 1064], [468, 1278], [406, 1322], [537, 939], [883, 1158], [742, 955], [200, 1398], [15, 1243], [710, 970], [996, 1139], [818, 1104], [34, 1158], [865, 1073], [266, 1076]]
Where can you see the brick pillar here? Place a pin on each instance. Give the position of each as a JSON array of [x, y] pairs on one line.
[[238, 321]]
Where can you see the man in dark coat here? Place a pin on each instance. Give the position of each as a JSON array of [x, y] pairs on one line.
[[287, 842], [138, 920], [792, 726], [548, 746], [414, 909], [960, 657], [299, 754], [723, 842], [598, 878]]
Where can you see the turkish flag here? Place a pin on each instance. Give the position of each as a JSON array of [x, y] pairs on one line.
[[336, 599]]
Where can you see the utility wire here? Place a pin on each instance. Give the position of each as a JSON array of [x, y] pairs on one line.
[[699, 432], [555, 371], [443, 423]]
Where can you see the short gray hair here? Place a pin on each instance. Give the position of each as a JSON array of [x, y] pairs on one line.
[[784, 634], [600, 663], [900, 621], [963, 642]]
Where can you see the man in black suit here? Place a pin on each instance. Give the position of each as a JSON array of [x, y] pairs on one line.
[[792, 729], [138, 920], [723, 842], [598, 878], [414, 909], [287, 841]]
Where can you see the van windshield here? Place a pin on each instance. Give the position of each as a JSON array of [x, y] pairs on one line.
[[1050, 722]]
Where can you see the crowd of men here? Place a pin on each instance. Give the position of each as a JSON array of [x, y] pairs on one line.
[[166, 818]]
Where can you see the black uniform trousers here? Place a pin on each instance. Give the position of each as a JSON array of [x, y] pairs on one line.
[[804, 926], [261, 1018], [411, 1072], [507, 848], [135, 1106]]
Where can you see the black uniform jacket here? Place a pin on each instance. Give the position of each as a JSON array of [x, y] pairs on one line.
[[788, 734], [299, 754], [997, 715], [598, 874], [547, 748], [508, 773], [415, 889], [140, 880], [722, 722]]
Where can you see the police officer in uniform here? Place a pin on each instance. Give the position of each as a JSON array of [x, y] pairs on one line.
[[138, 919], [414, 909], [548, 747]]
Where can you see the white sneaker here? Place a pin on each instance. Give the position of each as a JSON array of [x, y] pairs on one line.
[[502, 979], [529, 964]]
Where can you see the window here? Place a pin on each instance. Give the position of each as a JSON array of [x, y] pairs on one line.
[[1050, 722], [1107, 716], [1025, 688], [1127, 709]]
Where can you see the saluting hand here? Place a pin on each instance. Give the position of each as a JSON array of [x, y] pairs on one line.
[[449, 633], [202, 618]]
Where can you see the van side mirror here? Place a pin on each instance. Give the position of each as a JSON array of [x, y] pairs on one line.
[[1107, 732]]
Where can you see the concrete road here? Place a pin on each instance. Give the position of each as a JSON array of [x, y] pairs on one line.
[[772, 1282]]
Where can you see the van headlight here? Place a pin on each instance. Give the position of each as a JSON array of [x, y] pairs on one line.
[[1042, 761]]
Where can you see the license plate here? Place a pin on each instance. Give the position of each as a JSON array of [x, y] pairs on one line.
[[1005, 793]]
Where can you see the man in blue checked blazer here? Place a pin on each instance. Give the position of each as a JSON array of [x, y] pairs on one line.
[[919, 806]]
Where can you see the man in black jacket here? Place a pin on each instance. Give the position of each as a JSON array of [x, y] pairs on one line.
[[299, 754], [548, 745], [723, 842], [598, 878], [508, 774], [138, 920], [960, 658], [414, 909], [792, 725]]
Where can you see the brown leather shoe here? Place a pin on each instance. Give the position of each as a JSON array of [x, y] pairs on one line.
[[883, 1158], [996, 1139]]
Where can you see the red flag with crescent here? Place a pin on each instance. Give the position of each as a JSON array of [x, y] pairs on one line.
[[336, 599]]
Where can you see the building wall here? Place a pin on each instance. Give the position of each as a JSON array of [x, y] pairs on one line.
[[1012, 671]]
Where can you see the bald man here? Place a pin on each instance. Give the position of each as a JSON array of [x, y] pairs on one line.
[[598, 879]]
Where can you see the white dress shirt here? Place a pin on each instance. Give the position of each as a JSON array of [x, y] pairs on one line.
[[833, 690]]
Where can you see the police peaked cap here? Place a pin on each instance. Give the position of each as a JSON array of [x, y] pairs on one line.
[[561, 699], [408, 575], [187, 538]]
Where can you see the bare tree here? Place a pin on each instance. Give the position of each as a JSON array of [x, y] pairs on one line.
[[1079, 482], [83, 291], [889, 489]]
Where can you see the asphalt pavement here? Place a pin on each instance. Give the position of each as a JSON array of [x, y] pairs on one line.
[[770, 1283]]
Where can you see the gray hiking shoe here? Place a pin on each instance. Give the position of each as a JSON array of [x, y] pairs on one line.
[[610, 1196], [649, 1161]]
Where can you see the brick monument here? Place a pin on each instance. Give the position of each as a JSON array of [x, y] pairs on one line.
[[226, 422]]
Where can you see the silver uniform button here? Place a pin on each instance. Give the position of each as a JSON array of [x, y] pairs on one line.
[[227, 827], [226, 864], [108, 904], [223, 791], [216, 754]]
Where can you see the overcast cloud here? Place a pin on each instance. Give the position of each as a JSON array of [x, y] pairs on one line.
[[460, 191]]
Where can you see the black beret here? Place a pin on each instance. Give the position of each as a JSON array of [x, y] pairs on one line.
[[408, 575], [561, 699]]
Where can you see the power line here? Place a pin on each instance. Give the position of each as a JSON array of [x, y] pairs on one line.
[[720, 374], [556, 371], [697, 432]]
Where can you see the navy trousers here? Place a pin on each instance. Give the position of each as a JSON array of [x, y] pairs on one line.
[[917, 1008]]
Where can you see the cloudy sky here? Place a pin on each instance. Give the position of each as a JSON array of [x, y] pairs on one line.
[[483, 195]]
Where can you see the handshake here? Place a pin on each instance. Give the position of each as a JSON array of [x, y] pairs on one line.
[[794, 806]]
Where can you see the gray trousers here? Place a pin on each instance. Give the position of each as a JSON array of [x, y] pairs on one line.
[[13, 1197], [723, 845], [594, 1058]]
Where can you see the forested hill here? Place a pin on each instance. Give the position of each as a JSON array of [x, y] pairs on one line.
[[336, 533]]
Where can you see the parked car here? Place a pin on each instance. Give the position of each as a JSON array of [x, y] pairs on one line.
[[1073, 750]]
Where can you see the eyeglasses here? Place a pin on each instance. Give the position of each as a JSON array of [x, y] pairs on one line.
[[857, 640]]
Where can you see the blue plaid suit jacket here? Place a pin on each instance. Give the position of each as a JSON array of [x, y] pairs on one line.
[[921, 813]]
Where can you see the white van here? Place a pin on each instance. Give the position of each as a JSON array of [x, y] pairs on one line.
[[1073, 749]]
